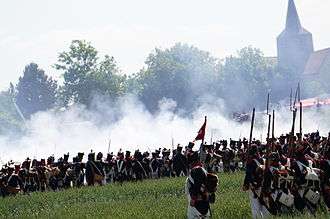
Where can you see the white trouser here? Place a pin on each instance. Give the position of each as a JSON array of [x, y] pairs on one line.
[[193, 213], [258, 210]]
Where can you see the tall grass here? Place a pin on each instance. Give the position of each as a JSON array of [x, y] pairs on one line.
[[162, 198]]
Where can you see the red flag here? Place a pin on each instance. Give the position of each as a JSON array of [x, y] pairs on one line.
[[201, 132]]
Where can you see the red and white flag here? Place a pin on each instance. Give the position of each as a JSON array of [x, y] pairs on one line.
[[201, 132]]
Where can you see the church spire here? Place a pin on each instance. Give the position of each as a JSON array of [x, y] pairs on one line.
[[292, 19]]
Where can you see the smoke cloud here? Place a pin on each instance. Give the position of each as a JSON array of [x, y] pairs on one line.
[[128, 125]]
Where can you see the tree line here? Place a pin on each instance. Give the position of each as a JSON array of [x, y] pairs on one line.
[[183, 73]]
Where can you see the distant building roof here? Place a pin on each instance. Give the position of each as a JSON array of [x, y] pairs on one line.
[[293, 25], [315, 61], [292, 19], [314, 102]]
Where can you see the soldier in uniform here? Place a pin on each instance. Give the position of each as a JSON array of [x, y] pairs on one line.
[[166, 163], [325, 182], [179, 162], [91, 169], [120, 169], [137, 168], [155, 165], [146, 164], [306, 182], [200, 189], [275, 189], [110, 168], [100, 166], [14, 182], [253, 182], [79, 169]]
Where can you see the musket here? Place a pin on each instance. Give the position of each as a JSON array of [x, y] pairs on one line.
[[294, 113], [300, 122], [291, 99], [296, 96], [211, 140], [251, 130], [172, 142], [109, 144], [268, 145], [268, 132], [19, 113], [273, 131], [268, 104], [298, 92]]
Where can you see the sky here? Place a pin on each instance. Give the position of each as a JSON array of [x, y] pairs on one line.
[[38, 30]]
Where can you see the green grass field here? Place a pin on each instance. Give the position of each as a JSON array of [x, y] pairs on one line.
[[162, 198]]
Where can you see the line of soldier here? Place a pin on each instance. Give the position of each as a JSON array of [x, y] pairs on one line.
[[48, 174], [289, 175]]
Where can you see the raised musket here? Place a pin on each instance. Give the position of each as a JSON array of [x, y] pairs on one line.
[[273, 131], [251, 130]]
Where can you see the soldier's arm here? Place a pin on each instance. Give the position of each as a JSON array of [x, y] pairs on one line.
[[250, 168], [266, 185]]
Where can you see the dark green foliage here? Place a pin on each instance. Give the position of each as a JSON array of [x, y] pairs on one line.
[[182, 73], [188, 76], [35, 91], [78, 64], [244, 79], [85, 77], [106, 79], [9, 118]]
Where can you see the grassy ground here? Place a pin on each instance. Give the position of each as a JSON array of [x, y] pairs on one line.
[[162, 198]]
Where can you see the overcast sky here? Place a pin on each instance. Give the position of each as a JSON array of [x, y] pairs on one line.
[[37, 30]]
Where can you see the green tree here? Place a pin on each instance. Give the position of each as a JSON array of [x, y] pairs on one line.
[[9, 118], [107, 80], [244, 79], [85, 77], [78, 64], [182, 73], [35, 91]]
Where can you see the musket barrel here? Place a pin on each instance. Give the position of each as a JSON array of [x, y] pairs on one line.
[[252, 124], [268, 104], [273, 131], [300, 122]]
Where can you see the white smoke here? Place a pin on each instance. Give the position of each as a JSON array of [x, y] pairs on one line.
[[130, 126]]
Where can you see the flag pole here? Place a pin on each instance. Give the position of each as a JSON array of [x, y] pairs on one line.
[[300, 115], [204, 134], [268, 104]]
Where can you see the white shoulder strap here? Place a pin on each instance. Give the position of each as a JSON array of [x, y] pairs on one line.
[[257, 162]]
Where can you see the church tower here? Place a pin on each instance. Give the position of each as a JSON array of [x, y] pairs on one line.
[[294, 44]]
